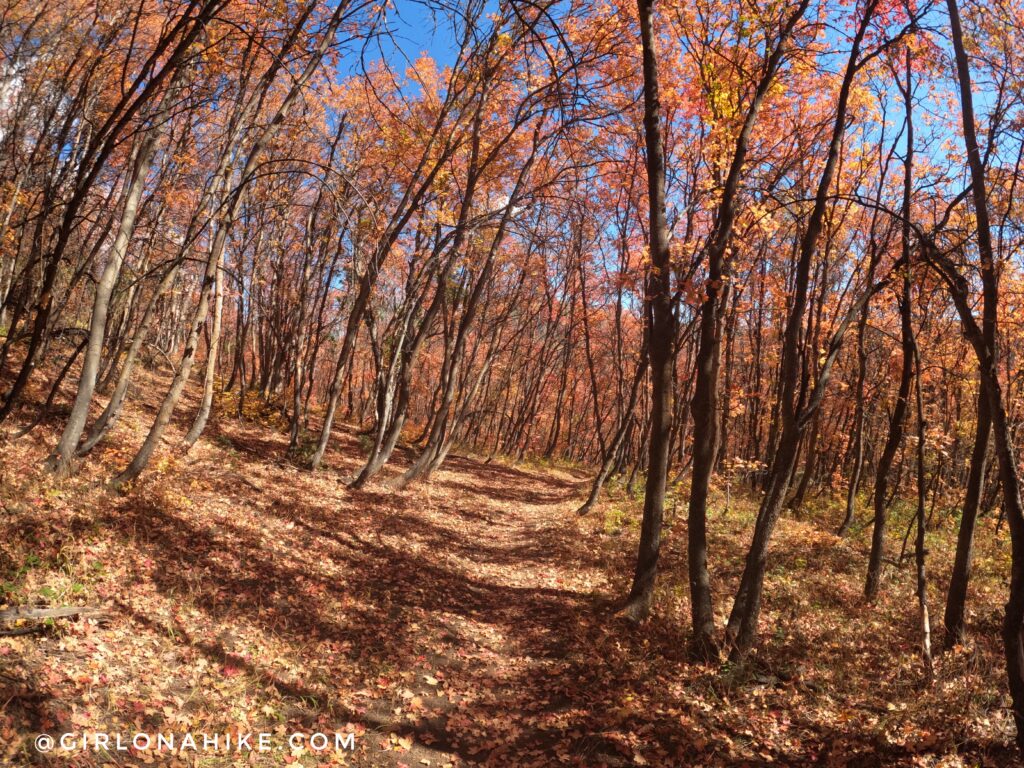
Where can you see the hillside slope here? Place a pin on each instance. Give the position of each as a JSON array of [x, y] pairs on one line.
[[465, 621]]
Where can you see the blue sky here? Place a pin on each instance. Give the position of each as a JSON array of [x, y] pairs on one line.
[[413, 26]]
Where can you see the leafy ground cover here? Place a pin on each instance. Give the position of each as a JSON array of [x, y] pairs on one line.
[[469, 620]]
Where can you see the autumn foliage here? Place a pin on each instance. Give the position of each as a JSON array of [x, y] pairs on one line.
[[747, 273]]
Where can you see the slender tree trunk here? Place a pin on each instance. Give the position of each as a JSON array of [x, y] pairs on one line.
[[984, 342], [741, 631], [810, 464], [956, 599], [920, 554], [299, 341], [705, 398], [899, 413], [170, 401], [858, 424], [661, 334], [113, 409], [615, 449], [199, 424]]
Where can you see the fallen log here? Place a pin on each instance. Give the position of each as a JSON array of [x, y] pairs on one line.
[[22, 613]]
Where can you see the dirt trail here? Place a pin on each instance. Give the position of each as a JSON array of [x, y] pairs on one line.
[[465, 621], [447, 623], [499, 608]]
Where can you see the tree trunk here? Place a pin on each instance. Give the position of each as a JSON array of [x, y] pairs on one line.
[[661, 324], [113, 409], [709, 352], [615, 449], [741, 631], [199, 424], [875, 559], [61, 458], [858, 424], [984, 342], [956, 599], [919, 550], [170, 401]]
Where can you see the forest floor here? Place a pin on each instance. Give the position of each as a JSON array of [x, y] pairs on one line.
[[470, 620]]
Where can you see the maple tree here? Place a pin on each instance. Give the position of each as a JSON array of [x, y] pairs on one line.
[[757, 261]]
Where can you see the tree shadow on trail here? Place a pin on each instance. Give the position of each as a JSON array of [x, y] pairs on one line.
[[373, 595], [472, 616], [389, 606], [509, 494]]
